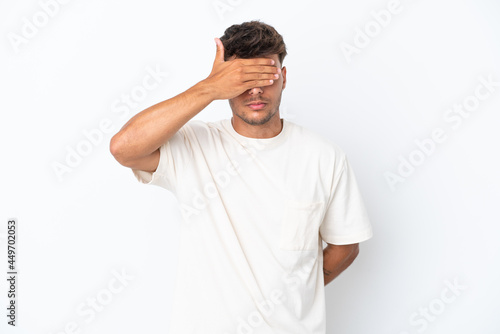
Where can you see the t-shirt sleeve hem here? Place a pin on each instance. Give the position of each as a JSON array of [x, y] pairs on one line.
[[158, 176], [147, 177], [351, 239]]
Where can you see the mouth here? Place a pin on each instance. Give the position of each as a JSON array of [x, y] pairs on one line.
[[257, 105]]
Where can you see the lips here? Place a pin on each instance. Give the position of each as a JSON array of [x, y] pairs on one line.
[[256, 105]]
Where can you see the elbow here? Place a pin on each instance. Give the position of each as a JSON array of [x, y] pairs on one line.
[[354, 252], [116, 148], [353, 255]]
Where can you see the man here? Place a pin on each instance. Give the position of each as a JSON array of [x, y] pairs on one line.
[[257, 194]]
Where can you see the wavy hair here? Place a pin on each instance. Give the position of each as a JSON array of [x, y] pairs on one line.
[[253, 39]]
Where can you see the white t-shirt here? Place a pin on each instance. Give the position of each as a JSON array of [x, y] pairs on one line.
[[254, 214]]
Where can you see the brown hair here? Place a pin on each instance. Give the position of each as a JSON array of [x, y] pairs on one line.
[[253, 39]]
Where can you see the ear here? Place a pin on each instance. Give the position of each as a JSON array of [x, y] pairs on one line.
[[283, 73]]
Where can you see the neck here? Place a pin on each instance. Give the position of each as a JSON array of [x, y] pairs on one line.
[[270, 129]]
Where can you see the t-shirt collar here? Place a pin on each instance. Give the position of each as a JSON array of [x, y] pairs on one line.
[[264, 142]]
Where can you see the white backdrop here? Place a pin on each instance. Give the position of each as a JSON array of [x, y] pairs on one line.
[[409, 89]]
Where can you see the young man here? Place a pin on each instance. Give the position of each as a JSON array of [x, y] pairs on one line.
[[257, 194]]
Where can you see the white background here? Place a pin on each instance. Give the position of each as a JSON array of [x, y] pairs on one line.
[[69, 74]]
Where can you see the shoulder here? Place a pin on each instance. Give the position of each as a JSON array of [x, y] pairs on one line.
[[196, 128], [316, 143]]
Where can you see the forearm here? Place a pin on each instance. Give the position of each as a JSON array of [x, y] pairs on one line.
[[336, 259], [152, 127]]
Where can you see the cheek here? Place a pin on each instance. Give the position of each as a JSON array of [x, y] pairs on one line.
[[274, 91]]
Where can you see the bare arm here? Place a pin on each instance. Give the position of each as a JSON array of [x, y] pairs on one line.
[[144, 133], [137, 143], [336, 259]]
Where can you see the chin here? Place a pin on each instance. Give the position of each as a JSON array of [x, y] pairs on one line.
[[258, 119]]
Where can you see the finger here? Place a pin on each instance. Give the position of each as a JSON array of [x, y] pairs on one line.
[[260, 77], [258, 83], [261, 69], [257, 61], [219, 55]]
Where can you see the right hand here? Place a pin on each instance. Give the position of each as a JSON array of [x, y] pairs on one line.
[[229, 79]]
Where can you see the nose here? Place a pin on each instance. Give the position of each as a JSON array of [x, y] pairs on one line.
[[255, 90]]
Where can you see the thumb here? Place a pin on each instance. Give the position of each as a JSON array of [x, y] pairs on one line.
[[219, 55]]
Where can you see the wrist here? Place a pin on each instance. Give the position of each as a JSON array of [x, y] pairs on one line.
[[205, 89]]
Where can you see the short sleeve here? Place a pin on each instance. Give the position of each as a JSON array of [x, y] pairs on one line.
[[175, 154], [346, 220]]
